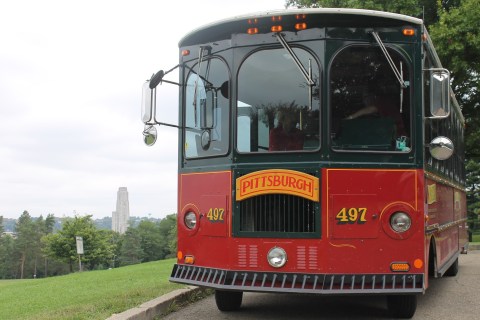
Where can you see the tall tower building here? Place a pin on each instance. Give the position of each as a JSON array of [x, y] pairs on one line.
[[121, 215]]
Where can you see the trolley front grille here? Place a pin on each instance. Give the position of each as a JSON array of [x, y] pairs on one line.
[[279, 213]]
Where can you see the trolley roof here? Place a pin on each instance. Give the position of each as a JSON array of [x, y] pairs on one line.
[[220, 29]]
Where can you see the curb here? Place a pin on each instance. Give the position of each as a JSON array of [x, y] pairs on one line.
[[156, 307], [472, 246]]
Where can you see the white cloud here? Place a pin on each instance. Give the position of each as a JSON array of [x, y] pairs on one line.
[[70, 91]]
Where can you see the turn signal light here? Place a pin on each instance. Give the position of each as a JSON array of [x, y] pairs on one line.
[[189, 259], [400, 267]]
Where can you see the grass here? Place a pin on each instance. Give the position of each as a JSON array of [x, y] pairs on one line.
[[476, 238], [85, 295]]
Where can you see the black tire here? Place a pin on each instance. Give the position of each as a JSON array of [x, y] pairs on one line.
[[228, 300], [402, 307], [453, 270]]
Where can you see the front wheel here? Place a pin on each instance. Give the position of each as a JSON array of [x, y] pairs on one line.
[[402, 306], [228, 300]]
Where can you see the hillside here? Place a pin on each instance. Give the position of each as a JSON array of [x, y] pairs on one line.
[[85, 295]]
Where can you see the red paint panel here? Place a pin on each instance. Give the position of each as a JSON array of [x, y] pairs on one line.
[[209, 196]]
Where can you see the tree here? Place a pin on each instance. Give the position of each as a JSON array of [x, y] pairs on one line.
[[8, 267], [97, 244], [151, 240], [168, 230], [27, 239], [131, 250]]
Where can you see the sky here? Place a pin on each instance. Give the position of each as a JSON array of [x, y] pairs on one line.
[[71, 74]]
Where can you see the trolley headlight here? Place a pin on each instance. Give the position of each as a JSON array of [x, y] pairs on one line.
[[277, 257], [400, 222], [190, 220]]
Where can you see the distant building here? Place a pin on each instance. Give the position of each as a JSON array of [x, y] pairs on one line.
[[121, 215]]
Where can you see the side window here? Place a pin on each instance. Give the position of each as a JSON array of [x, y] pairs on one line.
[[274, 113], [369, 109], [207, 109]]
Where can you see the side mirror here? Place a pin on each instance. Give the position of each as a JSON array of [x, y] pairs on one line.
[[149, 135], [148, 103], [207, 109], [441, 148], [440, 93]]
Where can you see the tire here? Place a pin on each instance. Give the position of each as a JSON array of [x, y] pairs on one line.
[[453, 270], [228, 300], [403, 306]]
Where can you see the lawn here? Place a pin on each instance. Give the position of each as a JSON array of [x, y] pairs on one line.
[[476, 237], [85, 295]]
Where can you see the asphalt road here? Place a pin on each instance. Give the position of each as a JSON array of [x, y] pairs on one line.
[[447, 298]]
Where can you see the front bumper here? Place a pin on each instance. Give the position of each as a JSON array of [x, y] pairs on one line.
[[298, 282]]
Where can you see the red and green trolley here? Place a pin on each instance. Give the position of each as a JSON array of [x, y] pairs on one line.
[[320, 152]]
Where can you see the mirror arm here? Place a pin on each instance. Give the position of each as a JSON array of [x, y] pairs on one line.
[[172, 82]]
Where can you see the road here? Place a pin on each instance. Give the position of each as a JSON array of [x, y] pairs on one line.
[[447, 298]]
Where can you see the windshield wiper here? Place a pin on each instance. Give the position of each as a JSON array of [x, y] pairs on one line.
[[397, 73], [298, 63]]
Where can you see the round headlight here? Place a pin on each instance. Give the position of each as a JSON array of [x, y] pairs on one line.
[[190, 220], [400, 222], [277, 257]]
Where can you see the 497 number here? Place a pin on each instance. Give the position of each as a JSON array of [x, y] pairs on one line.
[[216, 214], [351, 215]]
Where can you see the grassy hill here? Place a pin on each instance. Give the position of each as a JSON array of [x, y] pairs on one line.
[[85, 295]]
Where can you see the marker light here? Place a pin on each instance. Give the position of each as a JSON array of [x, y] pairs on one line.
[[276, 18], [277, 257], [253, 21], [408, 32], [185, 52], [418, 263], [400, 267], [301, 26], [300, 16], [276, 28]]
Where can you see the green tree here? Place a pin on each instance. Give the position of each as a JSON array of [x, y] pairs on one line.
[[473, 194], [8, 267], [131, 249], [151, 240], [27, 240], [168, 231], [97, 244]]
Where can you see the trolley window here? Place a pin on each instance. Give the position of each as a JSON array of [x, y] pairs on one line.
[[274, 113], [206, 109], [369, 108]]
